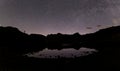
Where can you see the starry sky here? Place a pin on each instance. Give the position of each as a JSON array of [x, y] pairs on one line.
[[59, 16]]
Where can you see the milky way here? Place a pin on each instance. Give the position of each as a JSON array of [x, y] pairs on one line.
[[59, 16]]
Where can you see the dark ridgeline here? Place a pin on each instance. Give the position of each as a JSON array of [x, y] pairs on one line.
[[60, 41], [14, 44], [17, 42], [106, 37], [107, 42]]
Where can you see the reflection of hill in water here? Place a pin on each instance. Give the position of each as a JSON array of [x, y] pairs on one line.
[[14, 44], [63, 53]]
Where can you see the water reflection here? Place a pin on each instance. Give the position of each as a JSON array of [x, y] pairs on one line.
[[63, 53]]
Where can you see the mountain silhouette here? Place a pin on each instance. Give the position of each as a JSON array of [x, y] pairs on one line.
[[14, 44], [19, 42], [104, 37]]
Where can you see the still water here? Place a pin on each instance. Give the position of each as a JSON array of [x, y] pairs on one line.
[[63, 53]]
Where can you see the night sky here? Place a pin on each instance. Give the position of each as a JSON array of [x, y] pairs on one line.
[[59, 16]]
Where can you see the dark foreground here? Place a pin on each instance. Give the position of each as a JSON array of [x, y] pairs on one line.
[[14, 44], [95, 62]]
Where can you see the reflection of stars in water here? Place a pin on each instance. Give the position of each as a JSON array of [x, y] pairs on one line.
[[64, 53]]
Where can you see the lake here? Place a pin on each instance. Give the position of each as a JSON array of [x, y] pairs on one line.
[[63, 53]]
